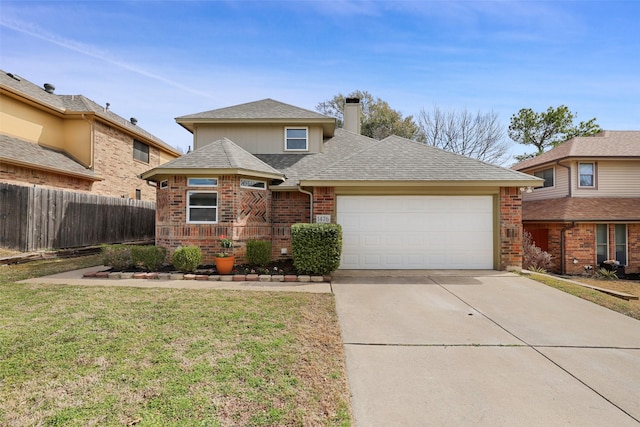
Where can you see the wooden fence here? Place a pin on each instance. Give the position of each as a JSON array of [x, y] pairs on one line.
[[33, 218]]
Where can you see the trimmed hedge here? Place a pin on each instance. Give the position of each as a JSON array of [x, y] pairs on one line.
[[259, 252], [316, 248], [148, 257], [187, 258]]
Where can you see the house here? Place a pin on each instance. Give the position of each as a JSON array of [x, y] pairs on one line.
[[70, 142], [259, 167], [588, 209]]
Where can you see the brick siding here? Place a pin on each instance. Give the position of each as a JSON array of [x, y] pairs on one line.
[[19, 175], [510, 228]]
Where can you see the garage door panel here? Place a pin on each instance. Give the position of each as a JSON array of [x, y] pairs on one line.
[[409, 232]]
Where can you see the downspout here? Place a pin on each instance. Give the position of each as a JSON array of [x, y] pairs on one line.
[[563, 267], [310, 202]]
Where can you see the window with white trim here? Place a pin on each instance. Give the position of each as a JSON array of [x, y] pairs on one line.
[[621, 243], [547, 175], [253, 184], [164, 183], [587, 174], [602, 243], [296, 139], [202, 182], [202, 207]]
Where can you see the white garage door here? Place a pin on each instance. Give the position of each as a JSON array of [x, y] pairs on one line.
[[416, 232]]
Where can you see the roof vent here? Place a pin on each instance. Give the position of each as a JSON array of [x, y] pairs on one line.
[[49, 88], [134, 121]]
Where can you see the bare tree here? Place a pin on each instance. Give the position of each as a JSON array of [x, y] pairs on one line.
[[479, 135]]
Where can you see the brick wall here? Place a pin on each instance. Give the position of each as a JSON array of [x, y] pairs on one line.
[[633, 248], [324, 202], [287, 208], [18, 175], [113, 154], [510, 228], [243, 214]]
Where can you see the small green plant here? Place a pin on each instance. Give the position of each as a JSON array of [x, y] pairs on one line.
[[605, 274], [259, 252], [225, 243], [316, 247], [538, 270], [118, 257], [187, 258], [148, 257]]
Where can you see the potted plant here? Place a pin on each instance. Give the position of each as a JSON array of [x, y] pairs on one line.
[[224, 261]]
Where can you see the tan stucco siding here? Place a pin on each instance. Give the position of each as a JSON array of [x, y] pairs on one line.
[[256, 139], [26, 122], [77, 141]]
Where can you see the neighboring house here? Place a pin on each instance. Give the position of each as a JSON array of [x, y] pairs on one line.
[[259, 167], [588, 210], [70, 142]]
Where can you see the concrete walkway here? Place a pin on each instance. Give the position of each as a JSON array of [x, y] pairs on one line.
[[450, 348], [76, 278]]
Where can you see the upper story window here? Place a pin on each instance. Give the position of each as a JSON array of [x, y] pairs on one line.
[[253, 184], [547, 175], [202, 182], [296, 139], [587, 174], [140, 151]]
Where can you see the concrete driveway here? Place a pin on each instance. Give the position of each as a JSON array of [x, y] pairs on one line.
[[483, 348]]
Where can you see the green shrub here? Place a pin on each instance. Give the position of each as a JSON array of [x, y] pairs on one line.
[[148, 257], [259, 252], [187, 258], [118, 257], [316, 247]]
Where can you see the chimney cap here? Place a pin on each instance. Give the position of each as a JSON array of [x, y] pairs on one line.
[[49, 88], [352, 100]]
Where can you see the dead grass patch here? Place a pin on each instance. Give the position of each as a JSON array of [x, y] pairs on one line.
[[628, 308]]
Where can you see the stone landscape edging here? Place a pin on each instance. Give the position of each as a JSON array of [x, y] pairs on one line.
[[264, 278]]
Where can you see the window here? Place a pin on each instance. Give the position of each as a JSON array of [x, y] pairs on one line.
[[602, 243], [202, 182], [140, 151], [621, 243], [547, 175], [587, 175], [164, 184], [296, 139], [252, 183], [138, 194], [202, 206]]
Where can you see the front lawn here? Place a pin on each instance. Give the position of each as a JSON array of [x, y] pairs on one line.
[[82, 356], [629, 308]]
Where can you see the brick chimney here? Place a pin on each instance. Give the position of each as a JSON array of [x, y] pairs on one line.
[[352, 114]]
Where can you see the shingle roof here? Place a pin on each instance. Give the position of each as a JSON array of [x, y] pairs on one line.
[[263, 109], [399, 159], [222, 154], [74, 104], [17, 151], [604, 144], [582, 209]]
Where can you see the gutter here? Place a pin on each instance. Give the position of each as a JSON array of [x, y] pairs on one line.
[[310, 202]]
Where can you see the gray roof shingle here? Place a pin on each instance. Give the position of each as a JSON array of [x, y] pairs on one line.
[[220, 154], [263, 109], [14, 150]]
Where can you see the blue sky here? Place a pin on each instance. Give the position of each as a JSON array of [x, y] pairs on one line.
[[159, 60]]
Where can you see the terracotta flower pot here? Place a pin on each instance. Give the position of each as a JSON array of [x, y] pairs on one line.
[[224, 265]]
